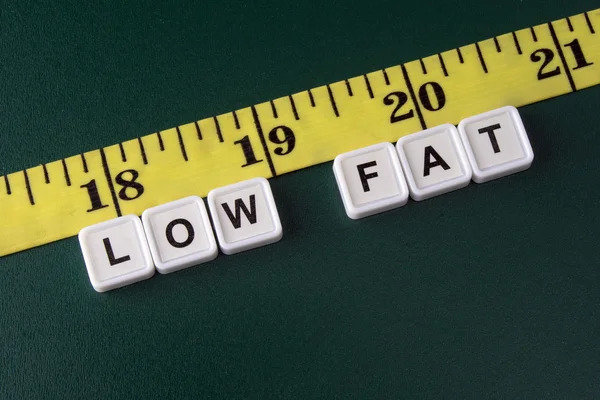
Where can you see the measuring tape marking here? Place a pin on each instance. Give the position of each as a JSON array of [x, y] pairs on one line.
[[562, 57], [411, 91], [261, 135], [298, 130], [110, 183]]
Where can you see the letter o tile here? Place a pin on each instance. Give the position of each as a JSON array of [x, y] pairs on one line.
[[179, 234]]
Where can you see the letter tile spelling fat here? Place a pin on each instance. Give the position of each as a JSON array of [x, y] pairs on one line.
[[370, 180], [116, 253], [434, 162], [244, 215], [496, 144]]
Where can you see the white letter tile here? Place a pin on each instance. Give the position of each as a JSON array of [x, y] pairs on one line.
[[179, 234], [496, 144], [434, 162], [370, 180], [244, 215], [116, 253]]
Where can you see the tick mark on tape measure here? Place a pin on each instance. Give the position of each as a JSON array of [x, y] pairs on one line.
[[7, 184], [160, 141], [261, 136], [273, 109], [569, 24], [385, 76], [533, 35], [460, 57], [181, 144], [293, 104], [368, 86], [312, 99], [442, 64], [562, 57], [589, 23], [143, 152], [198, 130], [348, 88], [497, 43], [123, 156], [28, 186], [423, 66], [481, 60], [236, 120], [111, 186], [66, 171], [516, 40], [46, 176], [218, 127], [411, 91], [332, 100], [83, 163]]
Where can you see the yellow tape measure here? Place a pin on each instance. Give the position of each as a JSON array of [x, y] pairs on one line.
[[55, 200]]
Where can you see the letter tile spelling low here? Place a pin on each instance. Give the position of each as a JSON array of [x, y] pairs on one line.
[[244, 215], [179, 234], [116, 253]]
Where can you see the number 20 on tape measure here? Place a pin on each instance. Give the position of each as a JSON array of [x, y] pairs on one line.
[[57, 199]]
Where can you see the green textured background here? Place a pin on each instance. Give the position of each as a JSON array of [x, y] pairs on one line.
[[490, 291]]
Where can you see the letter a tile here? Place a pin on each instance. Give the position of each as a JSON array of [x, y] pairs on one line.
[[496, 144], [434, 162], [244, 215], [116, 253], [370, 180]]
